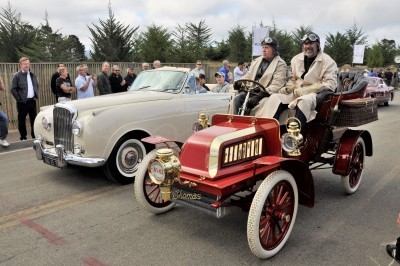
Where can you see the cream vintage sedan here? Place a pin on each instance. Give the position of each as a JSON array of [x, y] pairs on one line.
[[107, 130]]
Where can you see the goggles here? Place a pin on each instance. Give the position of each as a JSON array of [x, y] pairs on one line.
[[312, 37], [267, 40]]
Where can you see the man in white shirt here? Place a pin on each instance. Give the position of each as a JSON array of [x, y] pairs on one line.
[[239, 71], [84, 84], [198, 69]]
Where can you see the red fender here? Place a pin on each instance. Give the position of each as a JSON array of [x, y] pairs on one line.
[[301, 174], [341, 164]]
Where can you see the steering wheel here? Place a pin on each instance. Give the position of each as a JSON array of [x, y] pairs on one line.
[[246, 86]]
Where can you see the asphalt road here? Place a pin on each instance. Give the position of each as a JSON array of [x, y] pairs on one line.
[[75, 216]]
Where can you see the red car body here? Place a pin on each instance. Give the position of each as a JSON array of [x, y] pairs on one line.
[[378, 89]]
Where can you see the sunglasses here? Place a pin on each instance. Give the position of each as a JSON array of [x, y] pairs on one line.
[[312, 37]]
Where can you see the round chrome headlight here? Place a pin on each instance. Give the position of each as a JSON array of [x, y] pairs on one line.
[[289, 142], [156, 172], [77, 128], [46, 123]]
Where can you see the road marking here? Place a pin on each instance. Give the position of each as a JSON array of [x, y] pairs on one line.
[[8, 152], [55, 206], [93, 262], [53, 238]]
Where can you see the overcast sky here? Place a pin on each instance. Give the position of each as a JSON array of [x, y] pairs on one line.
[[377, 19]]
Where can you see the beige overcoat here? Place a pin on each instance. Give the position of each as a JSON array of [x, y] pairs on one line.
[[274, 77], [322, 74]]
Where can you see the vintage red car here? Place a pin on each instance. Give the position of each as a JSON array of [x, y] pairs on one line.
[[378, 89], [243, 161]]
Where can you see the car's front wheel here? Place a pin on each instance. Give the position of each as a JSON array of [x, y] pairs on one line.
[[124, 160], [272, 214]]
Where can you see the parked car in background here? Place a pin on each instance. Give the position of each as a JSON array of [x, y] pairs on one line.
[[378, 89], [107, 130]]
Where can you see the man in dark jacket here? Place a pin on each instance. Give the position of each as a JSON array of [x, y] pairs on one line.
[[130, 77], [116, 81], [103, 83], [25, 89]]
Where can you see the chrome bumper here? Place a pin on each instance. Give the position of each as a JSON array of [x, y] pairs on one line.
[[60, 158]]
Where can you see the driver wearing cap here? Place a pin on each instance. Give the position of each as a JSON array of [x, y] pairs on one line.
[[312, 71], [269, 70]]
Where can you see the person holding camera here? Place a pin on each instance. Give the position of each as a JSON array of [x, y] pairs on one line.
[[269, 70], [84, 83], [239, 71]]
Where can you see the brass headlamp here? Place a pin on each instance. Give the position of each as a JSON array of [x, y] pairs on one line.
[[163, 170], [202, 121], [292, 140]]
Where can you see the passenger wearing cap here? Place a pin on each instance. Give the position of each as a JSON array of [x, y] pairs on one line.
[[202, 81], [130, 77], [269, 70], [312, 72], [222, 86]]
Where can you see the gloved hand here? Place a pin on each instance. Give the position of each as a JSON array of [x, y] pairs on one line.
[[315, 87], [285, 90]]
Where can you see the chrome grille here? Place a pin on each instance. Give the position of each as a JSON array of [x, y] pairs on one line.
[[243, 151], [63, 128]]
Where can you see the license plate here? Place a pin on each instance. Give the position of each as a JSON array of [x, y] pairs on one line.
[[50, 161]]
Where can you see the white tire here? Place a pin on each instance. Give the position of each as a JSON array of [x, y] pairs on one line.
[[275, 201]]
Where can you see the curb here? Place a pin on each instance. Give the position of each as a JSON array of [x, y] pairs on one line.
[[17, 146]]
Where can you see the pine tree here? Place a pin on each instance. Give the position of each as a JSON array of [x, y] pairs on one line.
[[14, 34], [112, 40]]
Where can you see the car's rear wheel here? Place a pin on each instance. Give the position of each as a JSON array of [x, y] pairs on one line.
[[124, 160], [352, 181], [272, 214], [148, 193]]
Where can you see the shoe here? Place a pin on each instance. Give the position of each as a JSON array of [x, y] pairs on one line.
[[391, 250], [22, 139], [4, 143]]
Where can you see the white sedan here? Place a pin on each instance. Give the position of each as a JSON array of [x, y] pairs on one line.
[[107, 130]]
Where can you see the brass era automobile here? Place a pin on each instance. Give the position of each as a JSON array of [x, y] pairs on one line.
[[243, 161], [106, 130]]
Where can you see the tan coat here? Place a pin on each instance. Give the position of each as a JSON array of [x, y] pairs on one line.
[[321, 75], [274, 76]]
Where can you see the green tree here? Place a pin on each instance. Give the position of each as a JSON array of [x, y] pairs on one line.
[[112, 40], [339, 48], [388, 48], [75, 49], [375, 56], [238, 44], [218, 51], [199, 36], [14, 34], [287, 47], [155, 44], [49, 46], [181, 48]]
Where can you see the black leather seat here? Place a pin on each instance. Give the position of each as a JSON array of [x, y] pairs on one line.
[[348, 82]]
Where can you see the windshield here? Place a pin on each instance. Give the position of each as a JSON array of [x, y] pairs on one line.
[[373, 82], [159, 80]]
